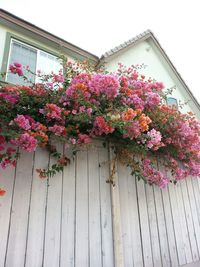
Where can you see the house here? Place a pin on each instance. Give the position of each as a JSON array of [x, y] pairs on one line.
[[24, 42], [76, 218]]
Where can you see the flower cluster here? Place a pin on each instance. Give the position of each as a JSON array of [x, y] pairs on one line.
[[124, 108], [16, 68]]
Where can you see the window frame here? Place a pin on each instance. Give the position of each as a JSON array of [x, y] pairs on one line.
[[7, 50]]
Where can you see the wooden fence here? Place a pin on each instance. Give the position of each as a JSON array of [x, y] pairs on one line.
[[77, 219]]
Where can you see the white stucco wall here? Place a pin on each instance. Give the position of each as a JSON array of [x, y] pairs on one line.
[[146, 53]]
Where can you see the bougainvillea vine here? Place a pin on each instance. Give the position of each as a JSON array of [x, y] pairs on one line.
[[123, 108]]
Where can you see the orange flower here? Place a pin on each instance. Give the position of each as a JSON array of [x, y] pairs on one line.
[[2, 192], [126, 91], [42, 137], [81, 87], [129, 114], [42, 128], [144, 121]]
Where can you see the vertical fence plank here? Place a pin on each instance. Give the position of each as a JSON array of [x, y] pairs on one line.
[[162, 228], [7, 178], [189, 221], [153, 224], [35, 238], [170, 228], [177, 225], [20, 209], [94, 209], [144, 224], [68, 214], [183, 224], [195, 184], [82, 233], [116, 211], [125, 215], [193, 206], [135, 228], [53, 219], [106, 215]]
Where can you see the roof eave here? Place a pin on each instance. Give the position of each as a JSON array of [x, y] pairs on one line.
[[5, 16]]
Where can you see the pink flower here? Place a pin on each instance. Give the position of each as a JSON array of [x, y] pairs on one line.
[[58, 78], [22, 122], [101, 126], [2, 140], [82, 109], [72, 141], [105, 84], [152, 175], [25, 141], [155, 139], [152, 99], [12, 99], [89, 111], [132, 131], [83, 139], [16, 68], [58, 130], [52, 111]]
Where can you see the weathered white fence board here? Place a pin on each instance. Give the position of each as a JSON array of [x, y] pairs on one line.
[[53, 219], [68, 215], [163, 238], [170, 227], [17, 235], [95, 258], [67, 220], [105, 209], [82, 211], [35, 235], [153, 225], [144, 224], [7, 179], [135, 223]]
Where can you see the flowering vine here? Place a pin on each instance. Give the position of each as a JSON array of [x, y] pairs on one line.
[[123, 107]]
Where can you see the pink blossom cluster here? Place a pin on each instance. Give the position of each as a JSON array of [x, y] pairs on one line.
[[10, 98], [2, 141], [58, 130], [25, 141], [152, 175], [154, 141], [101, 127], [22, 122], [52, 111], [84, 139], [58, 78], [16, 68], [107, 85], [132, 131], [152, 99]]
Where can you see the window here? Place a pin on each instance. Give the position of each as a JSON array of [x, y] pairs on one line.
[[34, 58], [172, 101]]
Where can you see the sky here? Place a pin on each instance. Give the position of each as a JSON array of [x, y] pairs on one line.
[[98, 26]]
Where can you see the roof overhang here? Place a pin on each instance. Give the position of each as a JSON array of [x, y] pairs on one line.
[[15, 23]]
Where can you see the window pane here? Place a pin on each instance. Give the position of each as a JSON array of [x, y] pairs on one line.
[[24, 55], [47, 63], [172, 101]]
